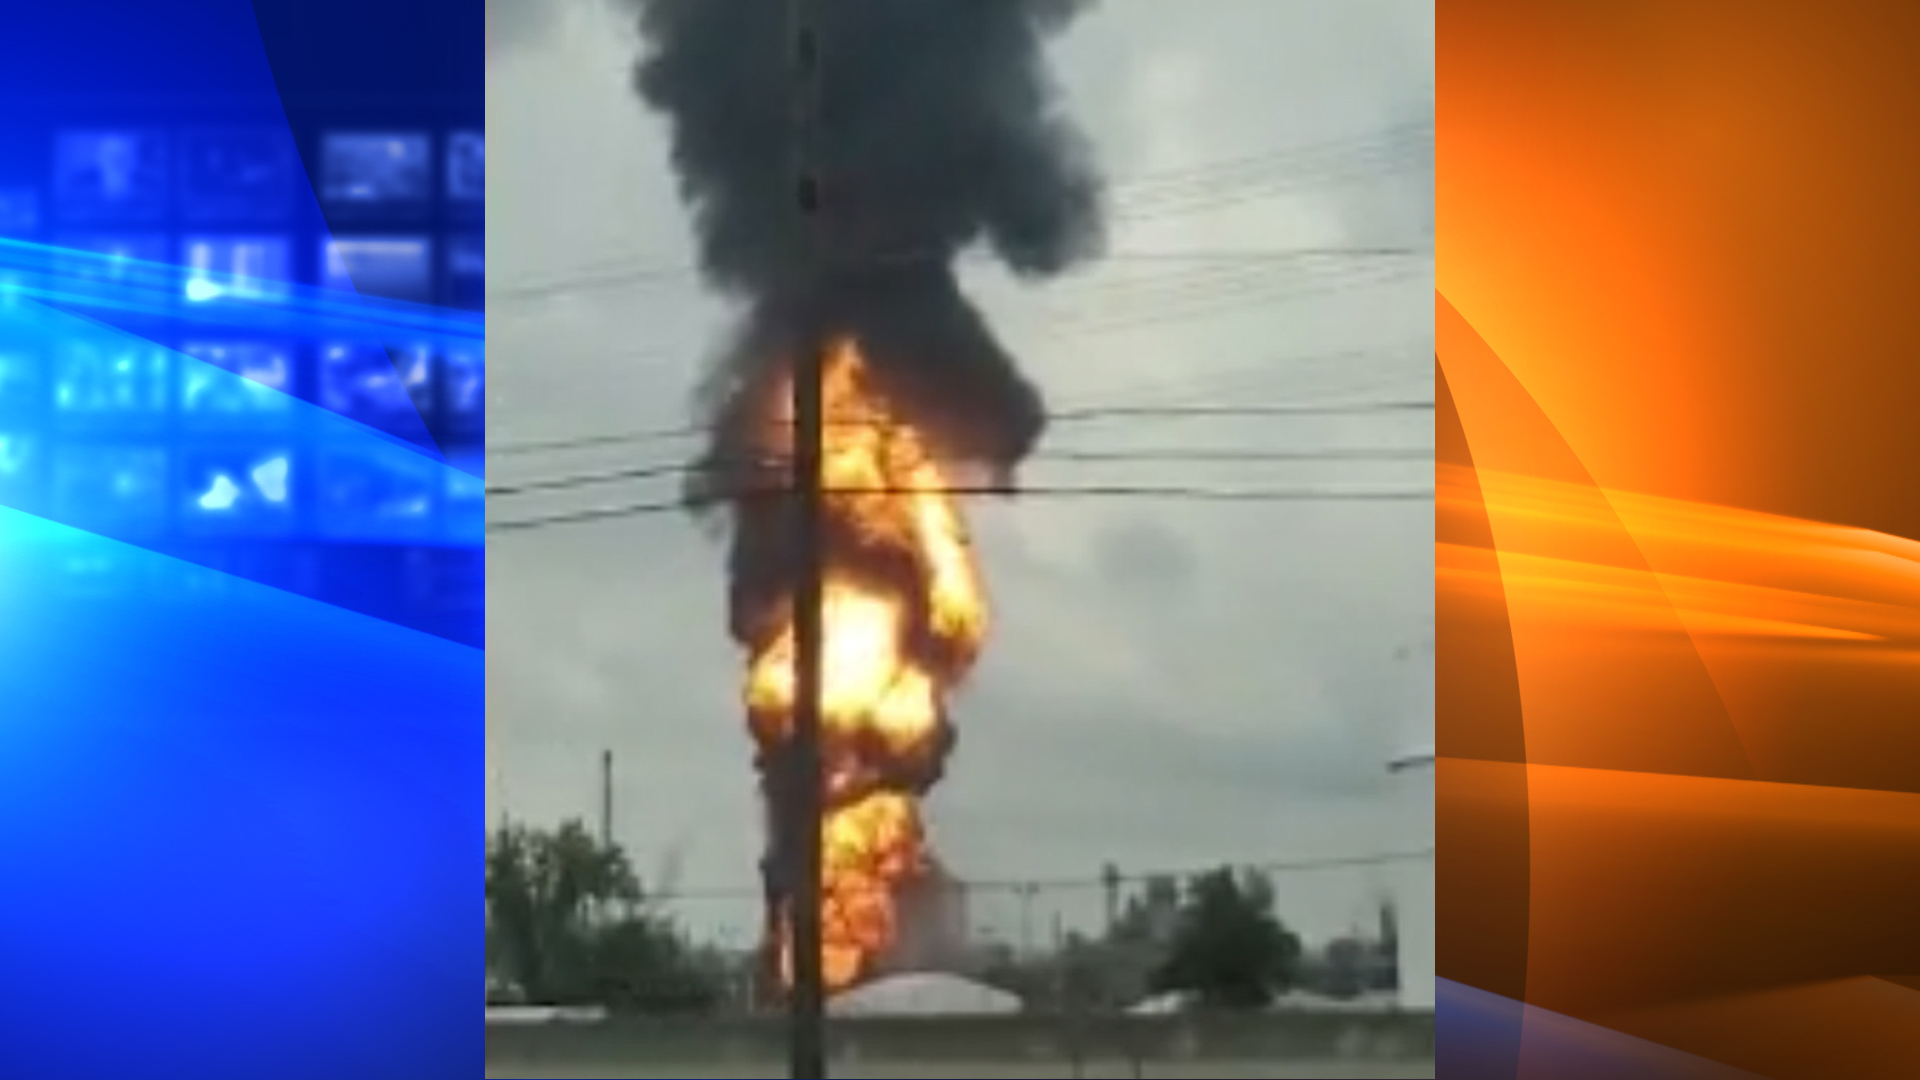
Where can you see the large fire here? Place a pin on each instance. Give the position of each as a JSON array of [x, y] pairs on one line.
[[903, 618]]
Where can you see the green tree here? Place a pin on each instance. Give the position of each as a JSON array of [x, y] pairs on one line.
[[569, 924], [640, 963], [1229, 950]]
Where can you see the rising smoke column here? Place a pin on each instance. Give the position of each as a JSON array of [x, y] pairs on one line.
[[939, 130]]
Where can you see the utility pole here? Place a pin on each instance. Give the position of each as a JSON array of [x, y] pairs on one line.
[[606, 799], [1028, 890], [1110, 883], [807, 994]]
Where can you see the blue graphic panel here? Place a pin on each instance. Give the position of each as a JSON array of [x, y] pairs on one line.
[[237, 174], [377, 170], [241, 539], [253, 821], [117, 175]]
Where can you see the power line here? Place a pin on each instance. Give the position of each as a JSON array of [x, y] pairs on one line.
[[643, 275], [1212, 377], [1083, 297], [1077, 415], [1096, 881], [1080, 296], [1145, 197], [1393, 136], [1166, 299], [1228, 190], [1101, 412], [1209, 297], [1168, 491], [1224, 456], [1226, 279], [615, 476], [1176, 454], [1279, 867], [583, 441]]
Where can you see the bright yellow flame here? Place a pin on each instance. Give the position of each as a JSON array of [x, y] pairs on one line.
[[867, 849], [865, 682], [884, 483]]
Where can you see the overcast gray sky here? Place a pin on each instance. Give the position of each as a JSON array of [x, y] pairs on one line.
[[1171, 683]]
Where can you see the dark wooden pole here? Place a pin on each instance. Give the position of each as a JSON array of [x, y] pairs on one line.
[[807, 1000]]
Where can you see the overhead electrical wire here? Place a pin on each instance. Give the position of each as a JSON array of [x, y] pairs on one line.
[[1073, 415], [1168, 491], [1178, 191], [1204, 282], [1065, 324], [1183, 258], [1191, 300], [1176, 454], [1212, 378], [1098, 881]]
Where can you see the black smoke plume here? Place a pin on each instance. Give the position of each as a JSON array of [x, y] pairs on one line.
[[938, 130]]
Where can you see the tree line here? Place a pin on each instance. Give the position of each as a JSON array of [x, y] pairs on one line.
[[569, 923]]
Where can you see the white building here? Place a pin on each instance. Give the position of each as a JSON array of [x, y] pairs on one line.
[[926, 993]]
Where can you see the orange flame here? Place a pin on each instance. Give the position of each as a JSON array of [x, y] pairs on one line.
[[893, 645]]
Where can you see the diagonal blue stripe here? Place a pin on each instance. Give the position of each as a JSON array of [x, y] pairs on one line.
[[1483, 1036]]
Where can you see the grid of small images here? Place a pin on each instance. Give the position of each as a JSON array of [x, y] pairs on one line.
[[189, 438]]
